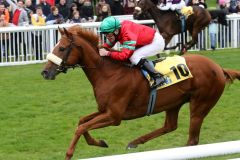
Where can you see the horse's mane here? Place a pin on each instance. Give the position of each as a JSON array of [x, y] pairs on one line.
[[93, 39], [88, 35]]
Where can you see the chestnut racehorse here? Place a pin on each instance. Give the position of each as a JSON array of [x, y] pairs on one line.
[[169, 24], [122, 93]]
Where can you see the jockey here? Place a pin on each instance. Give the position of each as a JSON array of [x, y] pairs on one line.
[[138, 41], [174, 5]]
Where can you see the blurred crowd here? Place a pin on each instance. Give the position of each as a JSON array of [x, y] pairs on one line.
[[45, 12], [230, 6]]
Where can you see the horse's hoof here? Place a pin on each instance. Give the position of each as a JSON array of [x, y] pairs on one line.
[[103, 144], [130, 146]]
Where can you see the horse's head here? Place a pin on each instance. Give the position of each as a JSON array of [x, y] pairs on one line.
[[65, 55], [142, 6]]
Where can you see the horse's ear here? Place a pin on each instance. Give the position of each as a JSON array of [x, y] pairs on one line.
[[68, 34], [60, 30]]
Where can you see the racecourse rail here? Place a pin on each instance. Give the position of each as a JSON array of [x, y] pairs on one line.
[[199, 151], [31, 44]]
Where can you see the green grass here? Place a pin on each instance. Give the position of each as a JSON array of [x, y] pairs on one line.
[[211, 4], [38, 117]]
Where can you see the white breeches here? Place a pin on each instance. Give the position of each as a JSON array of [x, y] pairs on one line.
[[171, 6], [149, 50], [178, 6]]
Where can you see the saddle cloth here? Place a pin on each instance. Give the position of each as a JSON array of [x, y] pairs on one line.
[[174, 70], [187, 11]]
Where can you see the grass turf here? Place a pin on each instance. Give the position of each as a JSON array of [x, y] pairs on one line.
[[38, 117]]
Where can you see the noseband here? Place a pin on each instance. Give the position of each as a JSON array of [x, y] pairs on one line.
[[63, 67]]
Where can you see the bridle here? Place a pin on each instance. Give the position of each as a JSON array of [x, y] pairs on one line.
[[63, 67], [62, 63]]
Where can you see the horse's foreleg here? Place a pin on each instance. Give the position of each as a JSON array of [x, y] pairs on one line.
[[190, 44], [169, 126], [99, 121], [89, 139]]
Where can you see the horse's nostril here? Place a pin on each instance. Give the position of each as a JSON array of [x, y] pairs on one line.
[[44, 74]]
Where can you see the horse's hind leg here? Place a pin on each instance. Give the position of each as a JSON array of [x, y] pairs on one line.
[[169, 126]]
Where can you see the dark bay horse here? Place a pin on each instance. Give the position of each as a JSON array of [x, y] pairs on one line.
[[169, 24], [122, 93]]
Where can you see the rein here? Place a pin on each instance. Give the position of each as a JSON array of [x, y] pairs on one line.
[[62, 63]]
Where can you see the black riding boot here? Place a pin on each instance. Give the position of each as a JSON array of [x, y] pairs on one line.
[[158, 77]]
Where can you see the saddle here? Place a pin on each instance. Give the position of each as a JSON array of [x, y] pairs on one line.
[[173, 68]]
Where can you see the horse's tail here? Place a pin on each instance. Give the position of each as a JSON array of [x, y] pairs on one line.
[[220, 15], [231, 75]]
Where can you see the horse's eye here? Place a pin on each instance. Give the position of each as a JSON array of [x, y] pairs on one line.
[[61, 49]]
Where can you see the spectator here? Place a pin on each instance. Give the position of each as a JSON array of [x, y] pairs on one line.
[[63, 9], [128, 6], [238, 8], [213, 33], [52, 2], [3, 21], [20, 18], [5, 12], [68, 2], [233, 6], [34, 3], [87, 11], [45, 7], [103, 10], [5, 3], [76, 17], [4, 44], [116, 7], [79, 4], [30, 8], [221, 2], [73, 8], [54, 17], [38, 19]]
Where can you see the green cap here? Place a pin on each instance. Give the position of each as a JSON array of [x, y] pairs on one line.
[[109, 24]]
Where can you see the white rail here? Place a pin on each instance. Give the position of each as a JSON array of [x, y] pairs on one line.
[[30, 44], [200, 151]]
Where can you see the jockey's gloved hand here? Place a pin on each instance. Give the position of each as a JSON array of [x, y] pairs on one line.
[[103, 52]]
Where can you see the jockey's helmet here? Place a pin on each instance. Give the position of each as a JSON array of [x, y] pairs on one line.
[[109, 24]]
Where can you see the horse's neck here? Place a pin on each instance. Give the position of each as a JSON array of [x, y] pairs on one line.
[[99, 69]]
